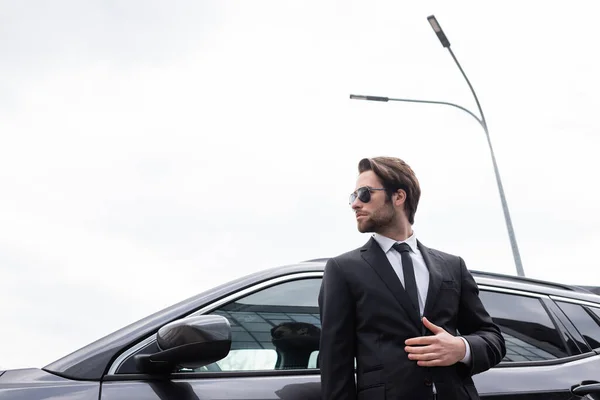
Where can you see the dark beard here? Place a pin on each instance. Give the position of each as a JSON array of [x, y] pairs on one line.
[[379, 220]]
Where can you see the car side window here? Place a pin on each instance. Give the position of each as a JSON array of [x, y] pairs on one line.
[[528, 330], [277, 328], [583, 321]]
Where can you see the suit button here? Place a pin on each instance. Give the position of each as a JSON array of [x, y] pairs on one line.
[[427, 382]]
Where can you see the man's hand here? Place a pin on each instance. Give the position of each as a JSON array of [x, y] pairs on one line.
[[439, 350]]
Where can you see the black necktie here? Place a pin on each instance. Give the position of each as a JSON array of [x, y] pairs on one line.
[[410, 284]]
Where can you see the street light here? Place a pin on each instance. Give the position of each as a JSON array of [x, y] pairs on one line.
[[446, 43]]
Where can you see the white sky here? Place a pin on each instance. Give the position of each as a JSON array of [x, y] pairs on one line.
[[149, 150]]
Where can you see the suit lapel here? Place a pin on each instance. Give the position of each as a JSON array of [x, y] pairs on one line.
[[376, 258], [434, 265]]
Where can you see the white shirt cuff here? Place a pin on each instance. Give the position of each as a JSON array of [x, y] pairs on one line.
[[467, 358]]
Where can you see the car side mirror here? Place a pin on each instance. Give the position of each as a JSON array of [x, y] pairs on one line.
[[191, 342]]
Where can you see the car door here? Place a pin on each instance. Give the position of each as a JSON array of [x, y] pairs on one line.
[[543, 360], [275, 339]]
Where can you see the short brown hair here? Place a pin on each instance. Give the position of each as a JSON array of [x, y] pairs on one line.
[[395, 174]]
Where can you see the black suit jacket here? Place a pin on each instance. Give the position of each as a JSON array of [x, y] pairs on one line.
[[365, 313]]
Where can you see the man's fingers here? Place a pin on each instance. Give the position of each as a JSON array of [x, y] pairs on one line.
[[423, 357], [421, 340], [418, 349], [431, 326]]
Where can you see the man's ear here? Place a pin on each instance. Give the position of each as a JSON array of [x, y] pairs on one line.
[[399, 197]]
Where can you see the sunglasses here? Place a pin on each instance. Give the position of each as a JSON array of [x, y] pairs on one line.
[[363, 194]]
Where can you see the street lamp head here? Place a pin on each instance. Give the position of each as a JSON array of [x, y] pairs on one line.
[[371, 98], [438, 31]]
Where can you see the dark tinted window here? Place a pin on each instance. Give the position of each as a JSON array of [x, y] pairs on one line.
[[527, 328], [585, 324], [273, 329]]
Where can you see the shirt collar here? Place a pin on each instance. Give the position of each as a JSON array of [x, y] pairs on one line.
[[386, 243]]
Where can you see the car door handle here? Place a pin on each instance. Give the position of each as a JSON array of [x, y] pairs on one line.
[[585, 388]]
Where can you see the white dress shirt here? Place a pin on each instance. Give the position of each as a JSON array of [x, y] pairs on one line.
[[421, 273]]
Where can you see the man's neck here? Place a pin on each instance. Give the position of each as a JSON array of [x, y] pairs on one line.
[[398, 233]]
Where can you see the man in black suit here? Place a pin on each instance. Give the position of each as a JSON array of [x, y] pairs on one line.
[[410, 315]]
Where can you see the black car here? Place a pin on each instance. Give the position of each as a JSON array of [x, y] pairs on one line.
[[258, 338]]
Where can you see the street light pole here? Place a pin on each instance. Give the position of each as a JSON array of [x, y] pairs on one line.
[[446, 43], [511, 233]]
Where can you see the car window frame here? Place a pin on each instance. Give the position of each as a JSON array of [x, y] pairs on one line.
[[207, 309], [592, 313], [586, 305], [566, 323], [553, 317]]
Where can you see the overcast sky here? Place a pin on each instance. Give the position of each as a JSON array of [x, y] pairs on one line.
[[149, 150]]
